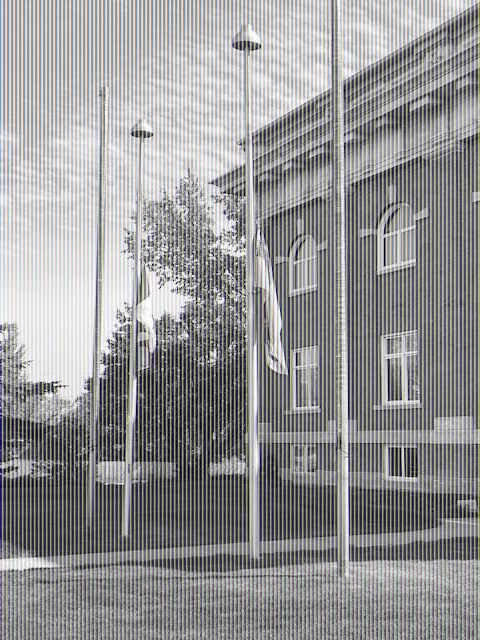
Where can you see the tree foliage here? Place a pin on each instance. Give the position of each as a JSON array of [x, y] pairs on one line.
[[20, 397], [196, 243], [31, 412], [191, 400]]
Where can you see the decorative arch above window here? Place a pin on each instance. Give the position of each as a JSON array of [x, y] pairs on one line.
[[396, 239], [303, 265]]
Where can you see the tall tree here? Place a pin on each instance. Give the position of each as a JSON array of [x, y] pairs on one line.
[[197, 243]]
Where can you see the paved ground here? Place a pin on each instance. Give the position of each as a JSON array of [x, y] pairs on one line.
[[451, 539], [175, 522], [47, 520]]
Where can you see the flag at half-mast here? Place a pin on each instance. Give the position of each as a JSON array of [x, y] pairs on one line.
[[146, 338], [274, 354]]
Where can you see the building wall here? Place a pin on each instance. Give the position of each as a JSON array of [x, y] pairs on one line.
[[438, 297], [411, 125]]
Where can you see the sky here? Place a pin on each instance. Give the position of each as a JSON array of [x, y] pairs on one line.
[[172, 63]]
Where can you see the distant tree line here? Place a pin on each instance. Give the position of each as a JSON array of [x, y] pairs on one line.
[[34, 417]]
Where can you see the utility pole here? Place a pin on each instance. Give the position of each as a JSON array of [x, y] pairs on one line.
[[338, 158], [246, 40], [97, 327]]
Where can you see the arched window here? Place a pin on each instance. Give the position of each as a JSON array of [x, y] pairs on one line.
[[396, 238], [303, 265]]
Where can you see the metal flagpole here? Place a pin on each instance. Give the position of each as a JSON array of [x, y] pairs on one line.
[[142, 131], [247, 40], [341, 294], [97, 328]]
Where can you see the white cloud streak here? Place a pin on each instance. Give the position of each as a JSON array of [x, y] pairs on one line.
[[172, 63]]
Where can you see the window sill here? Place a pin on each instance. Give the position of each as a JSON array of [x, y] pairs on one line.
[[299, 292], [396, 267], [399, 480], [302, 410], [296, 472], [303, 474], [400, 405]]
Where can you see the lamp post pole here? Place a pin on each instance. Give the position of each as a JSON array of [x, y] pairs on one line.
[[247, 40], [341, 291], [97, 329], [142, 131]]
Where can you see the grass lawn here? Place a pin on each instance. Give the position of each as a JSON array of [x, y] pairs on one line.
[[384, 600]]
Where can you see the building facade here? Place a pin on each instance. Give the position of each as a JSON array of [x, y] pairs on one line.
[[412, 211]]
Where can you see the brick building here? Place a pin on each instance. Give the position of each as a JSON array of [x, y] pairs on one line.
[[411, 146]]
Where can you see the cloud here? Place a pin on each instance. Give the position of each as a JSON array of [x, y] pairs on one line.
[[169, 62]]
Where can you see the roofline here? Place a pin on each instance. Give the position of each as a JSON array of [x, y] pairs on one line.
[[381, 62], [236, 174]]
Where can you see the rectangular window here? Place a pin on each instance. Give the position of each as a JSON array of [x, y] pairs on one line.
[[400, 368], [305, 274], [410, 462], [299, 276], [401, 463], [395, 462], [408, 244], [303, 265], [303, 459], [390, 249], [305, 378], [311, 271]]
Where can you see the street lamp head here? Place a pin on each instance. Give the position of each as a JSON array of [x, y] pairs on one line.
[[141, 129], [246, 39]]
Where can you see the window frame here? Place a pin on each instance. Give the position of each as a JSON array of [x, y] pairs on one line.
[[386, 463], [306, 453], [293, 385], [402, 356], [292, 263], [399, 233]]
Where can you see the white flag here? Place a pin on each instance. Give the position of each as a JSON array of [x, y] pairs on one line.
[[146, 338], [274, 354]]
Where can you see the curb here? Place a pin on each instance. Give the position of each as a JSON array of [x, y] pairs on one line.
[[447, 529]]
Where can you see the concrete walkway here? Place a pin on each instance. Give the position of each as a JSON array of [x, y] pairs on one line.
[[448, 529]]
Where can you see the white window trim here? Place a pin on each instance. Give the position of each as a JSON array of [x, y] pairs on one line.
[[386, 463], [414, 404], [384, 373], [398, 266], [305, 448], [291, 262], [366, 233], [293, 389], [299, 410], [422, 215]]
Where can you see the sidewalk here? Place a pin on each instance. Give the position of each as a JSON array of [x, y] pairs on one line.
[[448, 529]]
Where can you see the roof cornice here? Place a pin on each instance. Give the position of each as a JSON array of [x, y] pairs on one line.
[[370, 93]]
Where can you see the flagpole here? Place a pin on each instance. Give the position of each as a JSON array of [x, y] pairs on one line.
[[97, 327], [247, 40], [341, 287], [142, 131]]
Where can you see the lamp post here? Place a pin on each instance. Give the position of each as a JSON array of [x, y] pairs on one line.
[[341, 290], [142, 131], [247, 40], [97, 327]]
